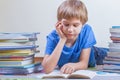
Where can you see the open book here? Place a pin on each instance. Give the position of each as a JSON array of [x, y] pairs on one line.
[[81, 74]]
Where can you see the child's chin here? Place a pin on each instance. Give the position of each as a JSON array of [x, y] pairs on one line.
[[70, 37]]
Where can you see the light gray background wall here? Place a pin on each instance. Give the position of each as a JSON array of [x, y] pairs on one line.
[[40, 16]]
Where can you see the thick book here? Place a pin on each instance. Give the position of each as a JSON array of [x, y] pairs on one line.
[[111, 67], [16, 58], [114, 49], [80, 74], [114, 45], [21, 70], [16, 63], [17, 43], [112, 59], [24, 52], [18, 40], [113, 54], [111, 62], [111, 71], [22, 66], [115, 38], [114, 30], [17, 52], [115, 27], [18, 36], [17, 47]]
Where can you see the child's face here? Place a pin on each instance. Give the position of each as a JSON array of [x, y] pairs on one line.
[[71, 28]]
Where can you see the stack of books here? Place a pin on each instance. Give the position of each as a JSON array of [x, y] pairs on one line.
[[112, 61], [17, 51]]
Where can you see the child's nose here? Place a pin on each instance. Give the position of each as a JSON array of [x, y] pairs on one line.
[[70, 29]]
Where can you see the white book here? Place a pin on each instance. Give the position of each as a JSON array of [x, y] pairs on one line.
[[111, 67], [114, 30], [114, 45], [16, 63], [12, 36], [80, 74], [16, 43], [18, 36], [114, 49], [111, 62], [113, 54], [115, 34]]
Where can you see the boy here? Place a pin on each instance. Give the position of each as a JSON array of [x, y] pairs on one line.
[[69, 46]]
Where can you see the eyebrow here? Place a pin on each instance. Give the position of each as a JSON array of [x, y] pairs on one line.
[[65, 21], [76, 23]]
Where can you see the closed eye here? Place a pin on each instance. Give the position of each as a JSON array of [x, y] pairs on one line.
[[66, 25], [76, 25]]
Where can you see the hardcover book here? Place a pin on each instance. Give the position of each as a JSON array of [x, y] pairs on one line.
[[21, 70], [16, 63], [17, 47], [17, 36], [114, 30]]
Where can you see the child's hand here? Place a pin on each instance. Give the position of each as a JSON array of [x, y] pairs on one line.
[[68, 68], [59, 27]]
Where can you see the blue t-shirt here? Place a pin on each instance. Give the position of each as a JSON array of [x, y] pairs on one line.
[[85, 39]]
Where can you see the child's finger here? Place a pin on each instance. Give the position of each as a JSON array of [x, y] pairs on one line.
[[68, 70], [57, 24]]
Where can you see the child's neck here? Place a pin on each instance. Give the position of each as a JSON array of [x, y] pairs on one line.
[[70, 42]]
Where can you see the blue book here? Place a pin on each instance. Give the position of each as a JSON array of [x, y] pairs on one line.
[[115, 26], [18, 47], [22, 71]]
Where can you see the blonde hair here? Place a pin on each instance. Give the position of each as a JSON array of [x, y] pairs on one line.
[[72, 9]]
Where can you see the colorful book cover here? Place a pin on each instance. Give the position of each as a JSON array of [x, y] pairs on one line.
[[16, 63], [22, 66], [16, 51], [16, 58], [18, 47], [16, 54], [21, 71], [17, 43]]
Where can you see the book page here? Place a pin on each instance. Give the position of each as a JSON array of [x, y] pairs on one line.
[[82, 74], [55, 75]]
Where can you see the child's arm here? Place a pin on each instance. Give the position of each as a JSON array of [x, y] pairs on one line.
[[84, 58], [82, 64], [50, 61]]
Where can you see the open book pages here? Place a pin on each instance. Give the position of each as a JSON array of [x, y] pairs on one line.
[[81, 74]]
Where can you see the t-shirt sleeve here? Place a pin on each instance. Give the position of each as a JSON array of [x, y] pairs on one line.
[[89, 38], [50, 45]]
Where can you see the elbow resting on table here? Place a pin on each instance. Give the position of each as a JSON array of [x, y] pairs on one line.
[[47, 69]]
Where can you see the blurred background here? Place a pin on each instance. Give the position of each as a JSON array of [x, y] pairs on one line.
[[40, 16]]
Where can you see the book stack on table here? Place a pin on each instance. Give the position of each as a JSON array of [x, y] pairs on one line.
[[17, 52], [112, 61]]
